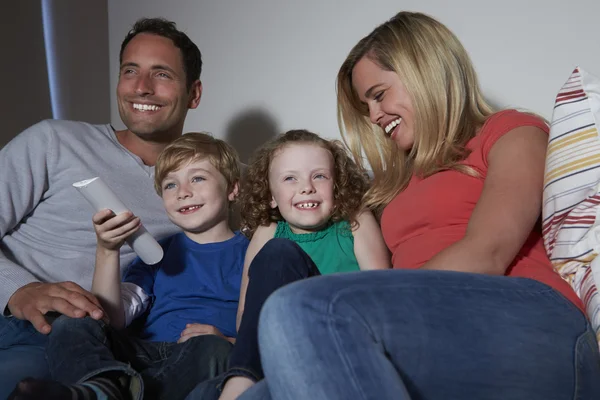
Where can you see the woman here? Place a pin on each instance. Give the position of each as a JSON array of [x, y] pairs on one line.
[[473, 309]]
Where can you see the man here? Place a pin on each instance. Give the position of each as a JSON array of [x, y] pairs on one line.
[[47, 241]]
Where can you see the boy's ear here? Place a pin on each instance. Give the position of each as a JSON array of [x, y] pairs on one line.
[[234, 192]]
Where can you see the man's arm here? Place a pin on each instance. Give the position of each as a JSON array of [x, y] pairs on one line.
[[25, 170]]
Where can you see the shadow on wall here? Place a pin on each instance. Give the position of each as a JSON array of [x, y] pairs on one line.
[[250, 129], [246, 132]]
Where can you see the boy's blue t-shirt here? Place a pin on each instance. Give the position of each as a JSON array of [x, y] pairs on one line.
[[193, 283]]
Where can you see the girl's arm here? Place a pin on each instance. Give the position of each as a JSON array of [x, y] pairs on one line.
[[261, 236], [111, 232], [369, 248], [507, 210]]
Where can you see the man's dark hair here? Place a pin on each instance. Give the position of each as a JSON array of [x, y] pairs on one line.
[[192, 59]]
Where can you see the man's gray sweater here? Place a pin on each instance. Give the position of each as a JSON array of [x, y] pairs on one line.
[[46, 230]]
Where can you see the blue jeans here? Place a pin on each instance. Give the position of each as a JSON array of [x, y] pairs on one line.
[[81, 348], [424, 335], [277, 264], [22, 354]]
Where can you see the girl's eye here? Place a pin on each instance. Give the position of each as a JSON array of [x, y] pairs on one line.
[[288, 178], [169, 186], [320, 176], [198, 179]]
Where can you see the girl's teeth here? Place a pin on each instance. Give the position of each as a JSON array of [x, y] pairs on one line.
[[307, 205]]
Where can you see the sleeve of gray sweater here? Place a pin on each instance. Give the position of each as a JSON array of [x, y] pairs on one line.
[[46, 231], [24, 167]]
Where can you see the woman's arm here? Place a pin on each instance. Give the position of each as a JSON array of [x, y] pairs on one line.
[[369, 248], [507, 210], [261, 236]]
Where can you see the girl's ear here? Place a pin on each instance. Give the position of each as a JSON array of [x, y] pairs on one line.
[[234, 192], [273, 203]]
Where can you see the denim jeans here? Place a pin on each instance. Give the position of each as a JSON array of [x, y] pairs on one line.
[[277, 264], [424, 335], [79, 349], [22, 354]]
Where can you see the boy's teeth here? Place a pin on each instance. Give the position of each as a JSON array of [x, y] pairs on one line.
[[145, 107], [392, 125]]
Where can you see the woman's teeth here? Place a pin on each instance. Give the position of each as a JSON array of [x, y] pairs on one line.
[[392, 125]]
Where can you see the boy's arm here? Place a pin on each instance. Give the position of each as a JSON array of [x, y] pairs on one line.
[[111, 231], [369, 248], [262, 235]]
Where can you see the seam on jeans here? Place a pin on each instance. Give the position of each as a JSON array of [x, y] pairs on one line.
[[10, 325], [348, 365], [576, 363]]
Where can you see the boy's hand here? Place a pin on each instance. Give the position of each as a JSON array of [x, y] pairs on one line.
[[192, 330], [112, 230]]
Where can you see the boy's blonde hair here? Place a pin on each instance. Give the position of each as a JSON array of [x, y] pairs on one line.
[[195, 146], [447, 100]]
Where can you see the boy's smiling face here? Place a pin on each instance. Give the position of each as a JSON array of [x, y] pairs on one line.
[[196, 198]]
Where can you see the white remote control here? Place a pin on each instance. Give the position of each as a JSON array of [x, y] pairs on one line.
[[100, 196]]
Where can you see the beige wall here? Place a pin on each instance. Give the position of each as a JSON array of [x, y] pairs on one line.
[[80, 38], [25, 96]]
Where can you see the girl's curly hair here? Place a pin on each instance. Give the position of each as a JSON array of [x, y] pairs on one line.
[[350, 183]]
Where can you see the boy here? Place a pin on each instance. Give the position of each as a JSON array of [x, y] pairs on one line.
[[186, 303]]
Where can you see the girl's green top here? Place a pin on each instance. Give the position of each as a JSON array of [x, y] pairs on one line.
[[331, 249]]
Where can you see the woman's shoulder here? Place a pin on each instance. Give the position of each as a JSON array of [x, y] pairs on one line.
[[499, 124]]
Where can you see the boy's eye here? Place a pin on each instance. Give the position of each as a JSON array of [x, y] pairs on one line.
[[168, 186], [198, 179]]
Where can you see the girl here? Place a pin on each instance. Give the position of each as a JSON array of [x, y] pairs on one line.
[[313, 197]]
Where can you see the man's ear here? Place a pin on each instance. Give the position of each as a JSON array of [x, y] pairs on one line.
[[234, 192], [195, 94]]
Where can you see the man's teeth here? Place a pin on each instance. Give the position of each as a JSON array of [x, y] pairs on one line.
[[145, 107], [307, 205], [189, 208], [392, 125]]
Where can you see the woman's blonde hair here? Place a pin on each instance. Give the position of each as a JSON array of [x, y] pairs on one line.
[[447, 101], [350, 181]]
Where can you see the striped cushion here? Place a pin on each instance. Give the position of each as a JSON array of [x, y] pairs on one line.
[[571, 195]]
